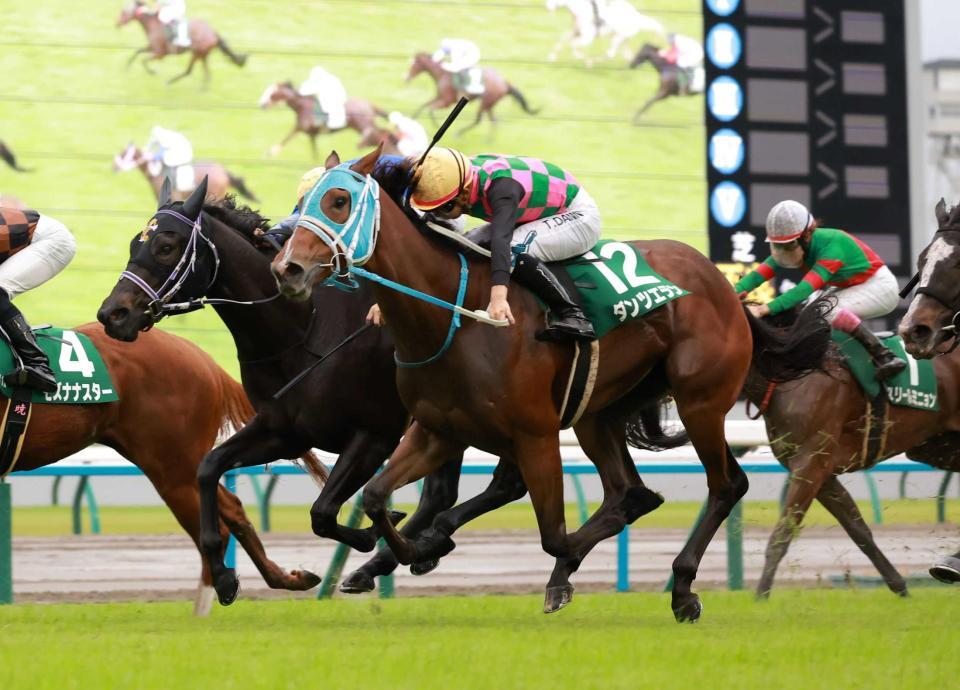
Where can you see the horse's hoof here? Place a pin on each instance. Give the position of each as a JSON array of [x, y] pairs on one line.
[[424, 567], [306, 579], [227, 586], [762, 595], [432, 544], [557, 598], [903, 592], [690, 611], [357, 582], [946, 569]]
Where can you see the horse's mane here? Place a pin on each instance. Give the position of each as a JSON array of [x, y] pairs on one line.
[[238, 216], [396, 180]]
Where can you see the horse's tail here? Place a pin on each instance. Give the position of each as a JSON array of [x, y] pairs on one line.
[[515, 92], [792, 353], [7, 155], [241, 186], [645, 431], [237, 411], [238, 60]]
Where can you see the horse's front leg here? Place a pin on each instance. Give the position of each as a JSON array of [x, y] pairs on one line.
[[421, 452], [658, 96], [432, 104], [253, 445], [138, 51], [186, 72], [277, 148], [148, 59], [566, 38], [358, 462], [439, 494]]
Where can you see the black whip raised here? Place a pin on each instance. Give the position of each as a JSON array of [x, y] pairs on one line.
[[461, 104]]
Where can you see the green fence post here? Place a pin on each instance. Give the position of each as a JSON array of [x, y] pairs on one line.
[[874, 499], [942, 497], [735, 547], [335, 569], [581, 499], [6, 545], [77, 510], [267, 497], [55, 492], [386, 581], [93, 508]]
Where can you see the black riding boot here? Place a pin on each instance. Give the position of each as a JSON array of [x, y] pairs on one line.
[[888, 364], [568, 321], [36, 372]]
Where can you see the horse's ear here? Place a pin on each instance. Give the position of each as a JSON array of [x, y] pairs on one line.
[[333, 160], [165, 190], [365, 165], [941, 212], [194, 203]]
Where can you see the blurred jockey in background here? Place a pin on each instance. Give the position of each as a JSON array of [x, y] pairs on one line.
[[461, 58], [171, 154], [330, 95], [173, 15], [687, 54], [411, 136]]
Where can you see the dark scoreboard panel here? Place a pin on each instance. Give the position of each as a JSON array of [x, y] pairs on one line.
[[806, 100]]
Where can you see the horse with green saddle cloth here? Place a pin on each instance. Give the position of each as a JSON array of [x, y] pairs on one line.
[[845, 420]]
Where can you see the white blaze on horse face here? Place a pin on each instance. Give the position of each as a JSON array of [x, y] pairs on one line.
[[940, 250], [267, 98]]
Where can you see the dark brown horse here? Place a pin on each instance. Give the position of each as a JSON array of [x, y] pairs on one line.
[[174, 401], [500, 389], [818, 442], [669, 74], [219, 179], [203, 39], [7, 156], [361, 116], [495, 87], [929, 327]]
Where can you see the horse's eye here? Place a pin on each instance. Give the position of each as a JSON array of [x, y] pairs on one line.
[[340, 202], [165, 249]]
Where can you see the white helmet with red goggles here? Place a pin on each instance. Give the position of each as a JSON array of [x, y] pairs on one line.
[[787, 221]]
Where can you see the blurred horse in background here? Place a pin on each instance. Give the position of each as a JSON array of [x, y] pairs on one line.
[[495, 87], [670, 77], [203, 39], [361, 116], [219, 179], [592, 18]]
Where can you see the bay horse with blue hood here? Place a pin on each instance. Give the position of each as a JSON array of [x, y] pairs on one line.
[[500, 389]]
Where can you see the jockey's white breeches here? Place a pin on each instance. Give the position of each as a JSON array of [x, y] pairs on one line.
[[566, 234], [876, 297], [51, 249]]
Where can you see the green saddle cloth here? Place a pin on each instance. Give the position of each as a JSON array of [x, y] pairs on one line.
[[915, 386], [82, 377], [616, 284]]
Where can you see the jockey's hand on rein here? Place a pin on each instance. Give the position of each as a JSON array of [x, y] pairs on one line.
[[374, 316]]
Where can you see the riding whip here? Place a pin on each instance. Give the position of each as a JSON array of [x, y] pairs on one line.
[[461, 104]]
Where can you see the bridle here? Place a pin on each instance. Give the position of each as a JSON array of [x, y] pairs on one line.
[[160, 304], [951, 302]]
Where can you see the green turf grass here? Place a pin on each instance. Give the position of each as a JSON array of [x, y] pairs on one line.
[[648, 181], [799, 639], [52, 521]]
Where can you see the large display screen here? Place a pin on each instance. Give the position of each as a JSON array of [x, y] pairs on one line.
[[806, 100]]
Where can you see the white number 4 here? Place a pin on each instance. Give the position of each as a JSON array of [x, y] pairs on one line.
[[74, 348]]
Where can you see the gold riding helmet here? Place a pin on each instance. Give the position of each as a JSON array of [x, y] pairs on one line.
[[440, 178]]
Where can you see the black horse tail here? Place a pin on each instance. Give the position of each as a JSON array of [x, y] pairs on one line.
[[645, 431], [515, 92], [787, 354], [241, 186], [238, 60], [7, 155]]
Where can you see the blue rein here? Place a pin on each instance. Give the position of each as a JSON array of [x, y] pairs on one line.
[[454, 321]]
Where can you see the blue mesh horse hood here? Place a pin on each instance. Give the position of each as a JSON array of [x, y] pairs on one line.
[[356, 237]]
